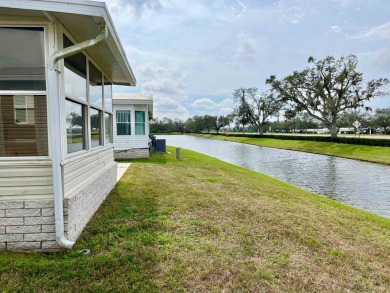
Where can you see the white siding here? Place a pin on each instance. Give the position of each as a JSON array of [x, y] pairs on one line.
[[81, 170], [26, 180], [126, 142]]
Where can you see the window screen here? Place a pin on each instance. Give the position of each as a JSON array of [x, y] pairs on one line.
[[123, 122], [139, 122]]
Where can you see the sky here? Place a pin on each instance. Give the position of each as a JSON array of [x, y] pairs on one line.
[[192, 54]]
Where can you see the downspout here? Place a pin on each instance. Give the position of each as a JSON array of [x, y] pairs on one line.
[[56, 145]]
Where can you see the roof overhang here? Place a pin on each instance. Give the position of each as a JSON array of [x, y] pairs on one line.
[[134, 99], [81, 19]]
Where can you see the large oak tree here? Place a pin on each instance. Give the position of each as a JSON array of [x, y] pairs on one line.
[[326, 88]]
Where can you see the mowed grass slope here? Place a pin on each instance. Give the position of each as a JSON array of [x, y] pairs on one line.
[[202, 225], [373, 154]]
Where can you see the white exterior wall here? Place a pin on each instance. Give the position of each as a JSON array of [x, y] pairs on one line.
[[25, 179], [27, 221], [128, 142]]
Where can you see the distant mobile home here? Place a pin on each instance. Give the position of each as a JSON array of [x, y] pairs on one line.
[[58, 63], [131, 125]]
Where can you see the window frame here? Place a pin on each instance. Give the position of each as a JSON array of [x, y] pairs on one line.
[[25, 109], [139, 123], [129, 122], [46, 41]]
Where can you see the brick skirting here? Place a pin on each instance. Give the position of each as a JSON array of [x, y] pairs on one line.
[[29, 225], [132, 154]]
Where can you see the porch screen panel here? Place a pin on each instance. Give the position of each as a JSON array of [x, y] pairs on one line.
[[107, 128], [23, 126], [96, 132], [107, 95], [95, 86], [22, 59], [75, 126], [75, 74]]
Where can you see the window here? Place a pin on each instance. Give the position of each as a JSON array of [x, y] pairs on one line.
[[75, 129], [139, 122], [22, 59], [123, 122], [95, 127], [24, 110], [107, 128], [75, 74], [23, 132], [95, 86], [23, 115]]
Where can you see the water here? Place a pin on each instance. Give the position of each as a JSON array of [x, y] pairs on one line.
[[359, 184]]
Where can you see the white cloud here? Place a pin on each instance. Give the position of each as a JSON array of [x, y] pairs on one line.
[[246, 50], [382, 59], [162, 82], [289, 14], [166, 88], [169, 107], [226, 111], [238, 8], [126, 11], [224, 92], [205, 103], [335, 29], [344, 3], [380, 32]]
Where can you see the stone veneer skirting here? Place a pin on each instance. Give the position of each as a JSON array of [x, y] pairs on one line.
[[132, 154], [29, 225]]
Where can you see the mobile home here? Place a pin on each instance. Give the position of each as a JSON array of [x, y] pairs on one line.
[[58, 63], [131, 125]]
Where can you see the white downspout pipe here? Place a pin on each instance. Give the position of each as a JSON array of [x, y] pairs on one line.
[[56, 134]]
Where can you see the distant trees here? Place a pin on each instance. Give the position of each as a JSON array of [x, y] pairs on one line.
[[264, 106], [243, 111], [382, 118], [205, 123], [166, 125], [223, 121], [255, 108], [326, 88], [349, 116]]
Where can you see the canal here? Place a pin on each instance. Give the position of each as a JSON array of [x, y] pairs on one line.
[[356, 183]]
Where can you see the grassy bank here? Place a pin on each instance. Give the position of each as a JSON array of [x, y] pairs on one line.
[[202, 225], [358, 152]]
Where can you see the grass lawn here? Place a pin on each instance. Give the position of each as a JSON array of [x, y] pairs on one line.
[[202, 225], [373, 154]]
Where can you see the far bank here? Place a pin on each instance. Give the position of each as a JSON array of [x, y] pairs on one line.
[[374, 154]]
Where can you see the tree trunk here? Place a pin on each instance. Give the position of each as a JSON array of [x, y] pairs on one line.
[[261, 129], [333, 131]]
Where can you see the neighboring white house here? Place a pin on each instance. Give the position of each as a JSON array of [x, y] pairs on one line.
[[131, 125], [58, 62]]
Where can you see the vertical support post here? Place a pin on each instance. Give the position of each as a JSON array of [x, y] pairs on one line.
[[178, 153]]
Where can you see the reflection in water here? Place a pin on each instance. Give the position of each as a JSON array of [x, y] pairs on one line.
[[360, 184]]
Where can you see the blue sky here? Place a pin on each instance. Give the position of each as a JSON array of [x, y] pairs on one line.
[[192, 54]]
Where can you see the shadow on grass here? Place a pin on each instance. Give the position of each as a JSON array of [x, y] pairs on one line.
[[123, 237]]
